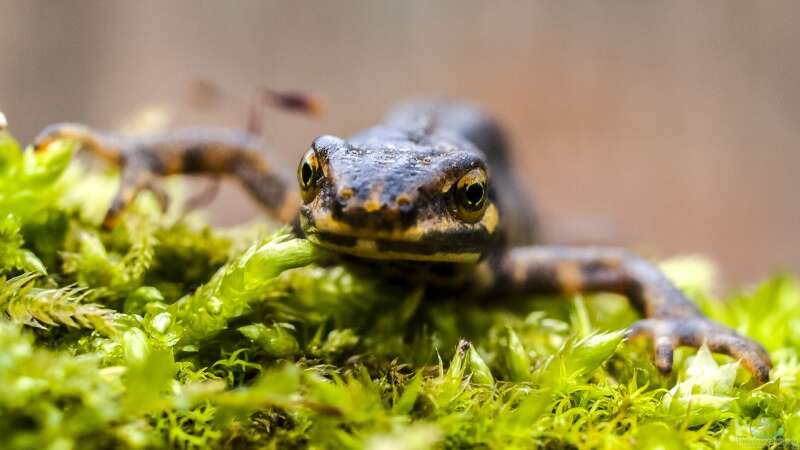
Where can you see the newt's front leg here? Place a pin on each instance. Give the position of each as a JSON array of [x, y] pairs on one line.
[[671, 320], [210, 152]]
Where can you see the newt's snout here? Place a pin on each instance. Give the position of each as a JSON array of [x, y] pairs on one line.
[[374, 209]]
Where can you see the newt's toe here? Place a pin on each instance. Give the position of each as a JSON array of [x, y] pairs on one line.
[[669, 333]]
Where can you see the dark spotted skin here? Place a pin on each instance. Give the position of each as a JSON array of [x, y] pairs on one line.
[[395, 196]]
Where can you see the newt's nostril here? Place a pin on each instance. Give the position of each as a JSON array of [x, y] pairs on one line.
[[372, 209]]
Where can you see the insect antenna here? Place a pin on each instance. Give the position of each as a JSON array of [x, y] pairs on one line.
[[205, 94], [292, 101]]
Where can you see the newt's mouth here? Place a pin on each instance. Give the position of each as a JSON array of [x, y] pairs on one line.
[[462, 245], [394, 250]]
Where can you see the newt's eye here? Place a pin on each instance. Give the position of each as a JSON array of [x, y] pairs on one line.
[[308, 172], [471, 195]]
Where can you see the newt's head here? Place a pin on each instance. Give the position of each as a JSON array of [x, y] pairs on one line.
[[387, 195]]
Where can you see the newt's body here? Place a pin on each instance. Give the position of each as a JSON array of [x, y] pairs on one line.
[[429, 188]]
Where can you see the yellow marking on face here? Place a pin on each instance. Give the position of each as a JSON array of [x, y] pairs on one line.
[[447, 185], [403, 199], [368, 248], [373, 203], [325, 221], [345, 193], [473, 176], [491, 218], [326, 170]]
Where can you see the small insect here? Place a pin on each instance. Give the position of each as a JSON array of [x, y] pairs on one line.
[[3, 121], [428, 191]]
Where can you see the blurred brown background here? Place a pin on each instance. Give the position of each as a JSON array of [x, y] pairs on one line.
[[669, 127]]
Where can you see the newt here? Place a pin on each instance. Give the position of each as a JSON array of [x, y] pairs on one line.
[[430, 193]]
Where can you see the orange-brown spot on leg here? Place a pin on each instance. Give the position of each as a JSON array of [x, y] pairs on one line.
[[569, 277], [173, 163], [3, 121], [204, 158], [85, 136], [218, 158], [110, 221]]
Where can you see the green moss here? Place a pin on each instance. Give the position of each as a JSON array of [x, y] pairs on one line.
[[166, 333]]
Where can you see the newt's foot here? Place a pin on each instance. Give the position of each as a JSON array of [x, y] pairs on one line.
[[671, 332], [134, 179]]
